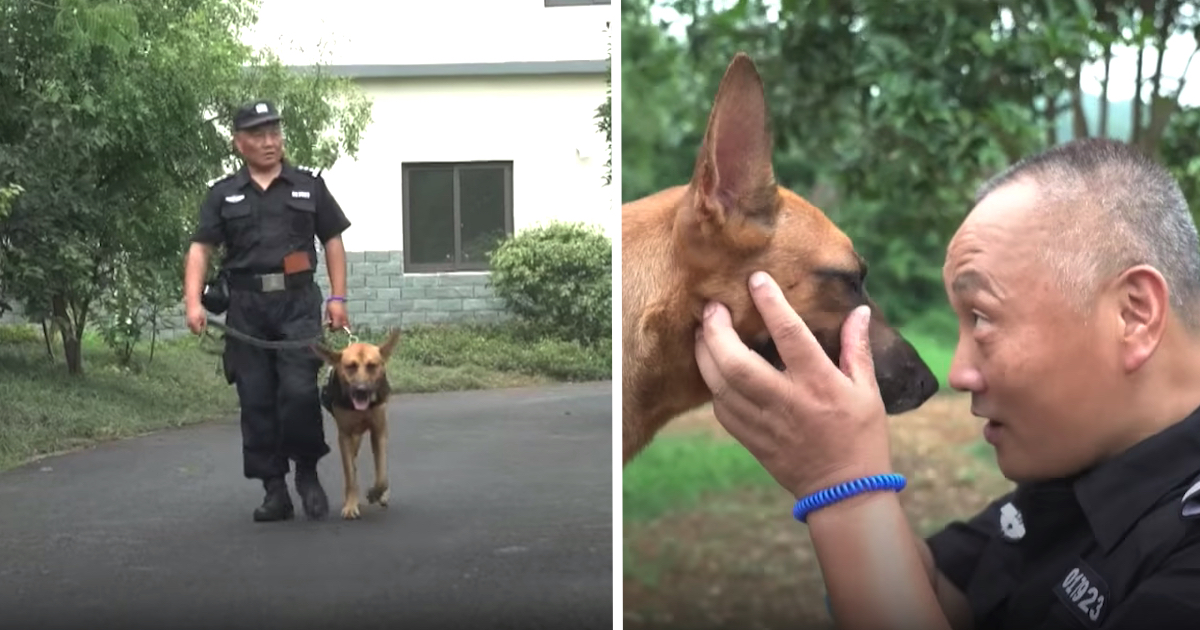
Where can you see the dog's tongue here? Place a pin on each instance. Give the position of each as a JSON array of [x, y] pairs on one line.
[[360, 405]]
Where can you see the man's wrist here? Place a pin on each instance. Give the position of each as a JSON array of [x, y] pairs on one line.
[[336, 298], [842, 475], [847, 486], [835, 516]]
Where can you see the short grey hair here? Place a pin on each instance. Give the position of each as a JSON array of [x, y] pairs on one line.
[[1111, 207]]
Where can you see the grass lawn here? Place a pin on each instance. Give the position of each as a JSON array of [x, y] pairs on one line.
[[45, 410]]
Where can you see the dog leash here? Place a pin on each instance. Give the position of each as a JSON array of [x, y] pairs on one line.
[[293, 344]]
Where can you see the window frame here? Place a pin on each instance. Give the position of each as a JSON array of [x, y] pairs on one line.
[[406, 170]]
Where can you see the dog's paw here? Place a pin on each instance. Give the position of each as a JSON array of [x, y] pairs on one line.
[[378, 494], [350, 511]]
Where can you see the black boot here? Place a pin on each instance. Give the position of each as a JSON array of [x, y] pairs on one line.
[[277, 505], [312, 495]]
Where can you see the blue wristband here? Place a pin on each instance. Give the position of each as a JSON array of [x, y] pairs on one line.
[[842, 491], [336, 298]]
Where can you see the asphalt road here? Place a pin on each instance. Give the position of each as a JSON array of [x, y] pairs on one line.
[[500, 517]]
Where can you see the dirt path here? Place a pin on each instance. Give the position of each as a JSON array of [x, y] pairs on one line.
[[740, 561]]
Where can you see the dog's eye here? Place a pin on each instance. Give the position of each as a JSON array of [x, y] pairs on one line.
[[371, 367], [852, 280], [350, 367]]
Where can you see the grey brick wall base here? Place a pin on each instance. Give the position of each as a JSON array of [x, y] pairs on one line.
[[380, 295]]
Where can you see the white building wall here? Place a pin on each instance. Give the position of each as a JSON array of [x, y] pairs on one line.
[[544, 125], [425, 31]]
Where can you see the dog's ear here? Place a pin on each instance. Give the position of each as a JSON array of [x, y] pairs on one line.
[[329, 356], [389, 344], [734, 181]]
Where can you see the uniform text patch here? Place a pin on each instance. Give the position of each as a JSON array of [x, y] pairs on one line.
[[1084, 593]]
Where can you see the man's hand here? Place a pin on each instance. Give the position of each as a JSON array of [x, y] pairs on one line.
[[197, 319], [193, 286], [335, 314], [335, 265], [812, 426]]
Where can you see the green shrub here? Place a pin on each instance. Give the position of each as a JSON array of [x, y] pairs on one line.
[[558, 278]]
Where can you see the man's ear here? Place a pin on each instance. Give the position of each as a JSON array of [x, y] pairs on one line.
[[734, 181], [1144, 303]]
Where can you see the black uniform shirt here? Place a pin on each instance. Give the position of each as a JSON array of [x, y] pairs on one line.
[[259, 227], [1117, 547]]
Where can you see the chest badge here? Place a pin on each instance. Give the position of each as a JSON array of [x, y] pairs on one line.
[[1012, 524], [1084, 593], [301, 194], [234, 198]]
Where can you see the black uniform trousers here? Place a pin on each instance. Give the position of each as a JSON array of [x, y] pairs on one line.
[[277, 388]]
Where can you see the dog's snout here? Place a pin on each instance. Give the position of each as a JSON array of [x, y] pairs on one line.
[[905, 380], [927, 385]]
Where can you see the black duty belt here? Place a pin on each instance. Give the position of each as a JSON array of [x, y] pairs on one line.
[[269, 282]]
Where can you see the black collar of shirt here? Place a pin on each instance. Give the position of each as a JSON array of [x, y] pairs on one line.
[[286, 171], [289, 172], [1117, 493]]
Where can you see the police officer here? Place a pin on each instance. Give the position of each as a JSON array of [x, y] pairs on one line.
[[1076, 281], [266, 215]]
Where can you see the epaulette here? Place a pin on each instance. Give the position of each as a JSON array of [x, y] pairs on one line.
[[314, 172], [222, 179], [1191, 501]]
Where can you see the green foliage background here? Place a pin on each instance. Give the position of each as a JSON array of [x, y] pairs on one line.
[[113, 120], [557, 278], [887, 114]]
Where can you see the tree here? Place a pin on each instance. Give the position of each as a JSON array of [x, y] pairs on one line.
[[888, 115], [112, 119], [603, 115], [7, 195]]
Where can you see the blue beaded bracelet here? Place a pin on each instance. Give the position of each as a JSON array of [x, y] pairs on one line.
[[842, 491]]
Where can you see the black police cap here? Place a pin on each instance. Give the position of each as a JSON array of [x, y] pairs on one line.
[[255, 114]]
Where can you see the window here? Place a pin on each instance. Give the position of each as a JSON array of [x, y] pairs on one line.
[[454, 213], [575, 3]]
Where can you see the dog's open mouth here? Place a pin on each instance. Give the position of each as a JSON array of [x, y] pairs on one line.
[[361, 398]]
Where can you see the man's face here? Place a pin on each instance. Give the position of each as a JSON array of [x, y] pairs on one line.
[[1037, 370], [261, 146]]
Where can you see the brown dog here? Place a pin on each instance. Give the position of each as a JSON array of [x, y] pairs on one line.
[[687, 245], [356, 395]]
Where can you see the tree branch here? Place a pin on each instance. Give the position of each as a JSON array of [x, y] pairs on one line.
[[1184, 76]]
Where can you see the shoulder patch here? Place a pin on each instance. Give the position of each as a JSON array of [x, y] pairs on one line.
[[1191, 501], [314, 172], [221, 180]]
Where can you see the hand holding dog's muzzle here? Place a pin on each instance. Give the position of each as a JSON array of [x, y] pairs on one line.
[[811, 426]]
